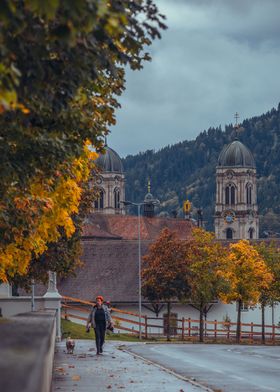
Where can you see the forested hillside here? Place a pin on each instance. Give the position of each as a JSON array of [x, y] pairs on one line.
[[189, 168]]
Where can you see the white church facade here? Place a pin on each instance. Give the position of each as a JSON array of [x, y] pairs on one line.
[[236, 210], [236, 217]]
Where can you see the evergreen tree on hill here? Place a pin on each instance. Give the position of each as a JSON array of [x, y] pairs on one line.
[[189, 167]]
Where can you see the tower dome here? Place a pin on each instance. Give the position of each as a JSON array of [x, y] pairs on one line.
[[110, 161], [236, 154], [149, 203], [148, 198], [110, 182]]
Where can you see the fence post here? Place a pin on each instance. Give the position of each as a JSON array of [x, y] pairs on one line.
[[215, 329], [64, 300], [189, 324], [273, 333], [146, 327], [228, 330], [183, 328], [252, 332]]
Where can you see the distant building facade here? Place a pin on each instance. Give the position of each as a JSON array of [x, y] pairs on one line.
[[110, 183], [236, 210], [110, 238]]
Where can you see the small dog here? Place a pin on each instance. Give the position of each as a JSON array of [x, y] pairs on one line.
[[70, 345]]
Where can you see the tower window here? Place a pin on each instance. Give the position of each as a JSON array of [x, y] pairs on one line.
[[230, 194], [99, 203], [251, 233], [249, 194], [117, 198], [229, 234]]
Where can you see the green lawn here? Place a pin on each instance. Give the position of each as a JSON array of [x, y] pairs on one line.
[[78, 331], [3, 320]]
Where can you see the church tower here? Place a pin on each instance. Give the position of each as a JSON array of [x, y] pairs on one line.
[[111, 183], [236, 211], [149, 203]]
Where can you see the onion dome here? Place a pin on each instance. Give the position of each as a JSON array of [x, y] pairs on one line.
[[110, 161], [149, 198], [236, 154]]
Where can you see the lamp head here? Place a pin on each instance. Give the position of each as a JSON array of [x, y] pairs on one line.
[[126, 203]]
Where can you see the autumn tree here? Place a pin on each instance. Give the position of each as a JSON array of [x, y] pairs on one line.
[[62, 67], [164, 273], [41, 215], [62, 256], [271, 294], [248, 276], [206, 260]]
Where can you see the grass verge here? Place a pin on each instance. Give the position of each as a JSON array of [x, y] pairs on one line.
[[78, 331]]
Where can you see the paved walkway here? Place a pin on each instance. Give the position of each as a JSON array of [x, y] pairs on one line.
[[114, 370]]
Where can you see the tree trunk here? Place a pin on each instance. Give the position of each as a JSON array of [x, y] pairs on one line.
[[168, 320], [238, 327], [263, 323], [201, 323]]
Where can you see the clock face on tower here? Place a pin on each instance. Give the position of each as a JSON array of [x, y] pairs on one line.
[[229, 216]]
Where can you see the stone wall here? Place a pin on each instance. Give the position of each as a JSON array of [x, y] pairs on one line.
[[26, 351]]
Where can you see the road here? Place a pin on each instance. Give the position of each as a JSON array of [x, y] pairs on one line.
[[221, 367]]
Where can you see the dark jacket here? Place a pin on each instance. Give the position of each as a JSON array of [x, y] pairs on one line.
[[91, 316]]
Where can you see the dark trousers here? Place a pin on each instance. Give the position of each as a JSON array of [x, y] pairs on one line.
[[100, 330]]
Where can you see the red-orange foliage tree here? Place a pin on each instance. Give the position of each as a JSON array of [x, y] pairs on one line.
[[165, 272]]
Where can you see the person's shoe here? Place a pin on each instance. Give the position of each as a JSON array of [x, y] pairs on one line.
[[101, 350], [98, 353]]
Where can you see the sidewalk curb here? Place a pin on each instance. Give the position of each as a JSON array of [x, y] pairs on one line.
[[148, 361]]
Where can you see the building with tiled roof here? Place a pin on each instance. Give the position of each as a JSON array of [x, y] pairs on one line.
[[110, 255], [110, 237]]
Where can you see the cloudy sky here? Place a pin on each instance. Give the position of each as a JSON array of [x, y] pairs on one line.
[[217, 57]]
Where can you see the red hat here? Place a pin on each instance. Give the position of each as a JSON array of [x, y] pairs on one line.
[[100, 297]]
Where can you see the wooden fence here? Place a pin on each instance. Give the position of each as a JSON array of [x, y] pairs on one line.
[[181, 328]]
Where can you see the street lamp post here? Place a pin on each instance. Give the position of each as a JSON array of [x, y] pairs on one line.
[[139, 205], [139, 272], [32, 295]]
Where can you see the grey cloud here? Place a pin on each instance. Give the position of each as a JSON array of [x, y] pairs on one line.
[[217, 57]]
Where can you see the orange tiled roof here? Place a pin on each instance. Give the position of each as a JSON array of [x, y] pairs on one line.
[[126, 227]]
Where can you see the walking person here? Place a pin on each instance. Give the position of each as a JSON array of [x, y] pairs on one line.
[[100, 319]]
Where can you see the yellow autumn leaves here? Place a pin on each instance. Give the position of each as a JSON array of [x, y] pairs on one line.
[[210, 269], [200, 270], [45, 207], [246, 272]]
